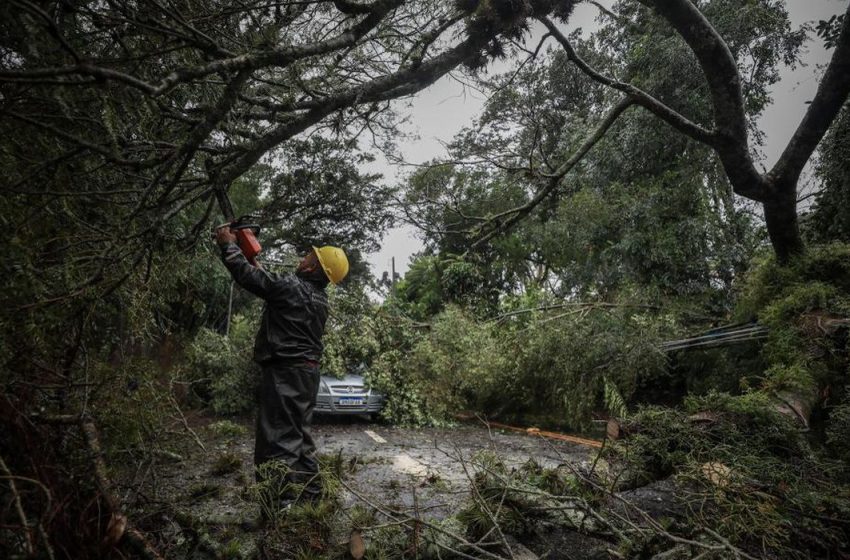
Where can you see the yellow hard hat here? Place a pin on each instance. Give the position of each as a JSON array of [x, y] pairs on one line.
[[333, 261]]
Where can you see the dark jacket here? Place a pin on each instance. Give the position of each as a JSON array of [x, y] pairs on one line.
[[294, 314]]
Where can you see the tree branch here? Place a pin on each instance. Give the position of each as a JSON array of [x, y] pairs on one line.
[[721, 72], [642, 98], [403, 82], [831, 95], [281, 57], [516, 214]]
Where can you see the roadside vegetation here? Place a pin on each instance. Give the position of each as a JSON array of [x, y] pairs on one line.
[[575, 227]]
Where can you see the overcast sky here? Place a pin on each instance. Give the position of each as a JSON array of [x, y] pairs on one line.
[[439, 112]]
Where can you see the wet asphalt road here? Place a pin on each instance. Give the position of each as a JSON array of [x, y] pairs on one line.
[[425, 468], [433, 464], [417, 452], [417, 472]]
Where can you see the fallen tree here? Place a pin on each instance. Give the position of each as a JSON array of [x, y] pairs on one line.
[[739, 466]]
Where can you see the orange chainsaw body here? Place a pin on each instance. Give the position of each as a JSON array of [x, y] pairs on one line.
[[248, 243]]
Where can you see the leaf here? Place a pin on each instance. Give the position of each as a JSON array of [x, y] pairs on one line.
[[613, 399], [356, 546]]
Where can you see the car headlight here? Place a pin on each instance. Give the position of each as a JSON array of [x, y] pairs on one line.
[[323, 388]]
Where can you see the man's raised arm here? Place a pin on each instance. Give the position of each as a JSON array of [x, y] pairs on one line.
[[253, 278]]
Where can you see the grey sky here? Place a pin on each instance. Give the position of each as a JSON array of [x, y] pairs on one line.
[[439, 112]]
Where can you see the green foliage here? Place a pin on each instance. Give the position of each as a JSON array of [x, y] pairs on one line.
[[269, 490], [322, 197], [644, 208], [419, 294], [387, 543], [354, 332], [836, 433], [770, 281], [519, 499], [135, 406], [435, 281], [614, 401], [223, 366], [456, 364], [405, 403], [362, 336], [226, 463], [306, 529], [555, 364], [227, 429], [204, 491], [559, 364], [803, 304], [830, 29], [829, 220], [745, 470]]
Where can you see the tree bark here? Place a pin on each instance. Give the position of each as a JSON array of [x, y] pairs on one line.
[[776, 189], [780, 216]]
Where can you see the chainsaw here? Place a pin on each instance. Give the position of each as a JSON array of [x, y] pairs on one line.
[[244, 228]]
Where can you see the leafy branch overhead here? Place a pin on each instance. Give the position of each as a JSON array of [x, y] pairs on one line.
[[128, 115]]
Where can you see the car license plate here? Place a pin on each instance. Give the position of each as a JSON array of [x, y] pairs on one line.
[[350, 401]]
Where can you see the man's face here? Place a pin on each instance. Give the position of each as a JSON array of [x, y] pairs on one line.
[[309, 262]]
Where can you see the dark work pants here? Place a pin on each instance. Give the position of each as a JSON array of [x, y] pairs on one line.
[[287, 397]]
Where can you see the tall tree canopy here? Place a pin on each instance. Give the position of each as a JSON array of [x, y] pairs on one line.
[[556, 193], [703, 69]]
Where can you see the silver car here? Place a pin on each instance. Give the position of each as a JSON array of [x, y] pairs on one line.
[[348, 395]]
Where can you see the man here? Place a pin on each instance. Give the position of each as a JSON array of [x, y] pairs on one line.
[[288, 347]]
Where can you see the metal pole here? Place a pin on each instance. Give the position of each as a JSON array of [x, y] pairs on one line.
[[229, 311]]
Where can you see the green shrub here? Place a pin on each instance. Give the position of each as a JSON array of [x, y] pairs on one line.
[[458, 364], [562, 362], [745, 470], [363, 336], [836, 433], [405, 404], [226, 463], [134, 405], [355, 333], [224, 365], [228, 429], [561, 365], [795, 302]]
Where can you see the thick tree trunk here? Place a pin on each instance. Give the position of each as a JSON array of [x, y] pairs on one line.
[[776, 189], [780, 215]]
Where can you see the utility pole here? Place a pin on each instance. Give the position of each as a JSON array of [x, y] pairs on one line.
[[393, 277]]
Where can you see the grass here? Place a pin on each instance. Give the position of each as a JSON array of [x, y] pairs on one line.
[[226, 463], [205, 491], [227, 429]]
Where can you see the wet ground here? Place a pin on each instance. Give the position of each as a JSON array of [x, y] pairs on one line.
[[433, 462], [422, 472]]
